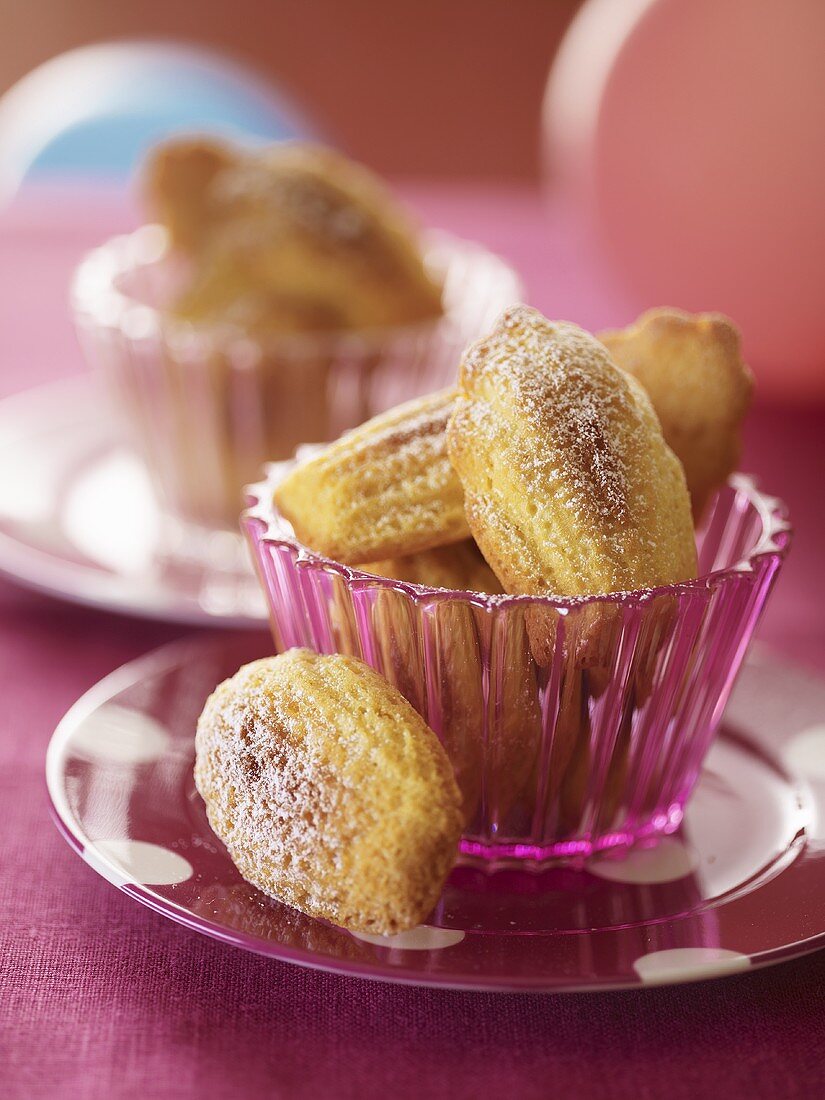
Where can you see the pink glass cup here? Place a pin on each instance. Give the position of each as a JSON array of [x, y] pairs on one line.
[[573, 725], [208, 405]]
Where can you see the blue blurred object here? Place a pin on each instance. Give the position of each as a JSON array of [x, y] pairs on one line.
[[94, 111]]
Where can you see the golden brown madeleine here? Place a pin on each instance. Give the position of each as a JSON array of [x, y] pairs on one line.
[[329, 791], [343, 618], [450, 690], [384, 490], [514, 727], [458, 674], [691, 366], [459, 566], [582, 791], [294, 231], [571, 768], [176, 186], [569, 486]]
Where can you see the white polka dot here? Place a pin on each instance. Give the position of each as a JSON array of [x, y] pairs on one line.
[[687, 964], [805, 753], [119, 735], [136, 861], [668, 861], [422, 938]]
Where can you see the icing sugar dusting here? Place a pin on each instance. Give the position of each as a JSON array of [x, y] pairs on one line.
[[270, 795], [312, 768], [562, 382], [386, 483], [569, 487]]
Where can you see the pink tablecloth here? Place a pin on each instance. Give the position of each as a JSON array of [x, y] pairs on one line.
[[99, 997]]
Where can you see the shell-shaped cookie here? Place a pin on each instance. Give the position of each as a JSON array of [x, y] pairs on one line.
[[692, 369], [570, 488], [295, 234], [459, 567], [383, 490], [329, 791]]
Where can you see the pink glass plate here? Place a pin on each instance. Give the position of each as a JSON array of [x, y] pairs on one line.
[[741, 885], [79, 519]]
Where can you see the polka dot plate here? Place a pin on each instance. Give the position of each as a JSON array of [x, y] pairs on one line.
[[742, 885]]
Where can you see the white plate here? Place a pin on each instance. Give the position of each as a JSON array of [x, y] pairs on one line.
[[78, 518]]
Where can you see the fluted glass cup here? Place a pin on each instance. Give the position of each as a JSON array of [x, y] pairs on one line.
[[207, 406], [573, 725]]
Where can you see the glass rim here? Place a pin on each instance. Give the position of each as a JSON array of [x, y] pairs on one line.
[[772, 543], [96, 299]]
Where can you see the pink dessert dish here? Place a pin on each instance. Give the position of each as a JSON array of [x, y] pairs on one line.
[[565, 740]]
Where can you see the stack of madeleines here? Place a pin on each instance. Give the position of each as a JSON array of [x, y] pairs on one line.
[[288, 238], [562, 465], [573, 462]]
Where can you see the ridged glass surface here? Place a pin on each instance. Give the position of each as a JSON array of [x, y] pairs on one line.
[[209, 406], [572, 725]]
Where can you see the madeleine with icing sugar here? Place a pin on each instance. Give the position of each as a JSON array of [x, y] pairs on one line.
[[329, 791], [381, 491], [570, 488], [692, 369], [297, 235]]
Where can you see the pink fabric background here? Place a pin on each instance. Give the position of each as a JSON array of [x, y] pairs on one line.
[[100, 997]]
